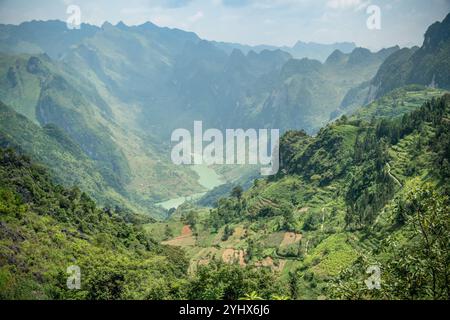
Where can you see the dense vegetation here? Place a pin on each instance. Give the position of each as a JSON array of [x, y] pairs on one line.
[[362, 192], [82, 163], [357, 194], [414, 257], [46, 228]]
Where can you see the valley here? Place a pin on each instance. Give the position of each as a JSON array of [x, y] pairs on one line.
[[208, 179], [298, 226], [115, 90], [87, 179]]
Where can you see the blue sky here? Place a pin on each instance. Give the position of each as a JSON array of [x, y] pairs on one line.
[[277, 22]]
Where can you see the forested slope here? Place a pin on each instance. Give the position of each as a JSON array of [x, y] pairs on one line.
[[341, 198]]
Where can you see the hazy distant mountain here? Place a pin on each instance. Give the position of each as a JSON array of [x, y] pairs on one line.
[[50, 37], [311, 50], [319, 51], [306, 93], [89, 136], [428, 65], [356, 96]]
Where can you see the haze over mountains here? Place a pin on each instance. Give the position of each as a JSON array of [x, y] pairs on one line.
[[427, 65], [118, 91], [175, 71], [310, 50]]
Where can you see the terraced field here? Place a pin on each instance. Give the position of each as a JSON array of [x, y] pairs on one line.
[[202, 247]]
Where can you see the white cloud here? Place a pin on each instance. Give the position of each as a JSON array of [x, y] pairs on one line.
[[363, 5], [196, 17], [272, 4], [343, 4], [163, 20]]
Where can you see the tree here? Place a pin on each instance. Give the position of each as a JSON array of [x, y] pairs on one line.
[[288, 219], [311, 222], [191, 218], [237, 192], [168, 232], [251, 296], [266, 212], [227, 232], [293, 284], [415, 262], [219, 280]]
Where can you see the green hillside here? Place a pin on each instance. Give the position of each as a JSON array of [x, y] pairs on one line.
[[346, 199], [338, 195], [46, 228], [48, 94], [87, 180], [398, 102], [68, 163]]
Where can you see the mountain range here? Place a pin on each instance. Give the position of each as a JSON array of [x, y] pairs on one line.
[[85, 122], [300, 50], [427, 65], [114, 90]]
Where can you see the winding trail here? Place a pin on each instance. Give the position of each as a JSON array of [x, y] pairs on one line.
[[392, 176], [323, 218], [306, 248]]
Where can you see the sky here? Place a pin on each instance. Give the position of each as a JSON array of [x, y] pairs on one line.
[[274, 22]]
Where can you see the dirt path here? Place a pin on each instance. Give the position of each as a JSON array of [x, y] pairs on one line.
[[392, 176], [303, 210], [323, 218]]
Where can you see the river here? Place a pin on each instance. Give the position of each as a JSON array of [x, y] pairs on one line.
[[208, 178]]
